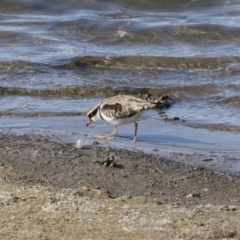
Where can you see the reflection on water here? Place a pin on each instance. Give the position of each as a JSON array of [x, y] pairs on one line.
[[174, 141]]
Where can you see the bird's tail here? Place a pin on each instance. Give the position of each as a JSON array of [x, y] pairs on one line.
[[163, 101]]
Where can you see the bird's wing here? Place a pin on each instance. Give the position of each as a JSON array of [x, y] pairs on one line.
[[123, 106]]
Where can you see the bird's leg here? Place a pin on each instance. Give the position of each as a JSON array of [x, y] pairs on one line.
[[108, 135], [135, 134]]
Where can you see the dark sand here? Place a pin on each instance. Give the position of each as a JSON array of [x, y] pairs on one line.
[[52, 190]]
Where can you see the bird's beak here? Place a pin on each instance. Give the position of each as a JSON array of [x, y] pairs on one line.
[[89, 121]]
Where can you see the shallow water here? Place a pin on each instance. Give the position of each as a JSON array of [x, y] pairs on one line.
[[58, 58], [217, 150]]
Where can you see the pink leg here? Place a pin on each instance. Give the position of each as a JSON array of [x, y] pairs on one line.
[[108, 135], [135, 134]]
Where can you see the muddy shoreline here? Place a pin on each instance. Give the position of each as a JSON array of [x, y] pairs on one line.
[[49, 180]]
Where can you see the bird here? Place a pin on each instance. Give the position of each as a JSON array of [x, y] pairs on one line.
[[119, 110]]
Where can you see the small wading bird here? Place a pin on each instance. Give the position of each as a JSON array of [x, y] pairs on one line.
[[118, 110]]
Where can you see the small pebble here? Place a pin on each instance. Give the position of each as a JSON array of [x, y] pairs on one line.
[[80, 143]]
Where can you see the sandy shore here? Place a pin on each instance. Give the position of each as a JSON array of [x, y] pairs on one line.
[[51, 190]]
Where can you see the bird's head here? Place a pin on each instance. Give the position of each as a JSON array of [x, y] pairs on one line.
[[93, 114]]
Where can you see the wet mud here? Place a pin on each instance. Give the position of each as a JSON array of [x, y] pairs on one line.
[[56, 189]]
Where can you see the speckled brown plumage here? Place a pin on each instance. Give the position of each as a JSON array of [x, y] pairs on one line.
[[123, 106]]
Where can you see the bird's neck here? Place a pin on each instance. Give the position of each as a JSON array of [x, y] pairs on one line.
[[98, 116]]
